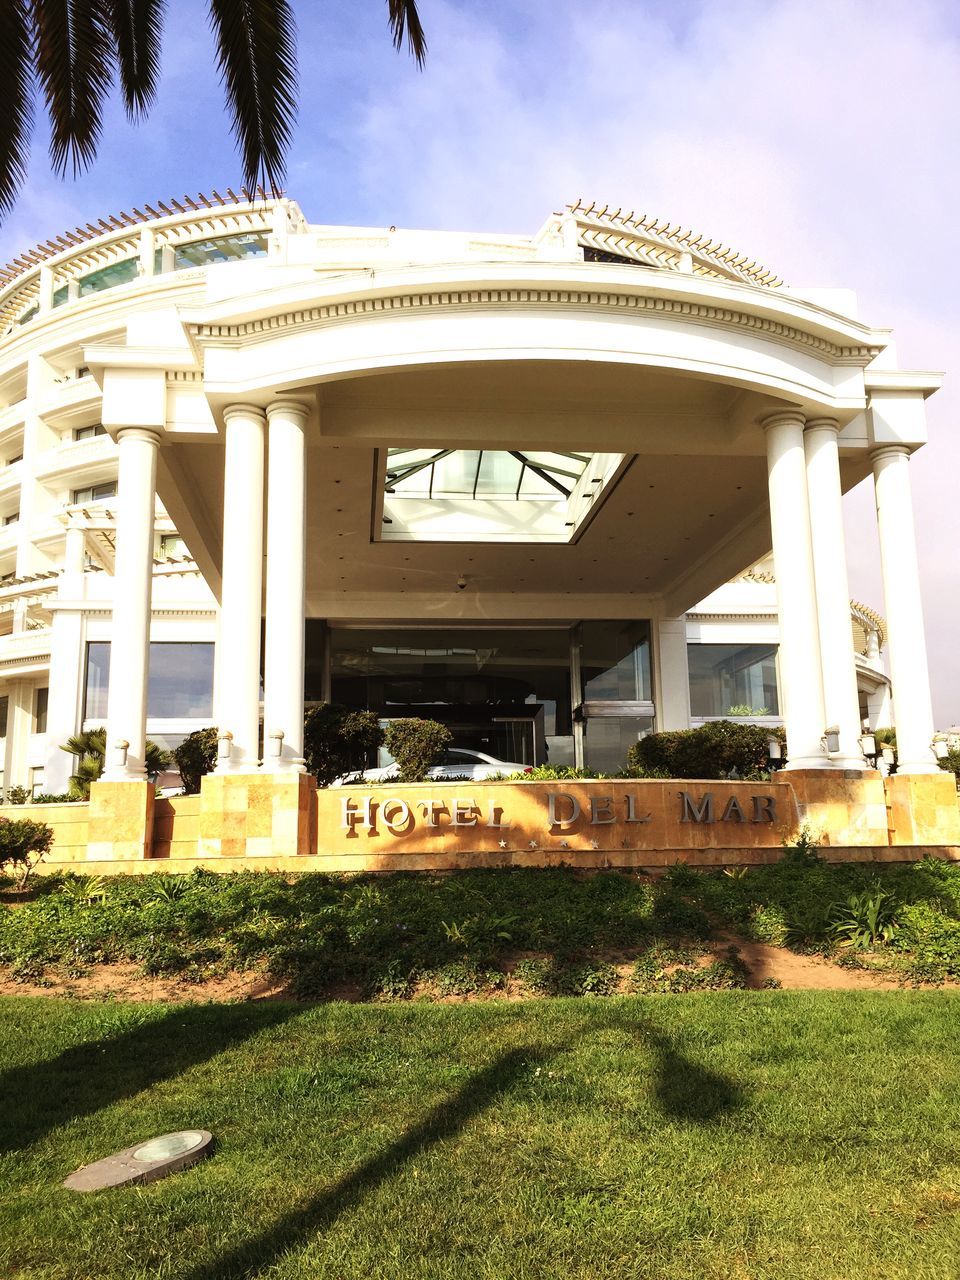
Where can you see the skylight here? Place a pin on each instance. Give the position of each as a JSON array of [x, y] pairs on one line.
[[496, 495]]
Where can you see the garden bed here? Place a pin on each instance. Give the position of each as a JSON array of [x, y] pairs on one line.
[[485, 934]]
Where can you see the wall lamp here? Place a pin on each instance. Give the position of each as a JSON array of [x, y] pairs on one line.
[[868, 745], [120, 749], [941, 747], [888, 754], [276, 743], [831, 739], [224, 744], [774, 750]]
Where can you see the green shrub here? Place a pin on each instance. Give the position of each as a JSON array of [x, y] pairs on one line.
[[337, 740], [17, 795], [951, 763], [417, 745], [23, 843], [195, 756], [866, 920], [717, 749]]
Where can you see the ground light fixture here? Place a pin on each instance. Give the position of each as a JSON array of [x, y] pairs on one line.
[[889, 755], [831, 739], [774, 751], [143, 1162], [275, 737], [868, 745], [941, 748]]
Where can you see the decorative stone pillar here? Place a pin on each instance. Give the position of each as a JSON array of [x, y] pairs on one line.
[[286, 587], [840, 697], [906, 643], [238, 682], [801, 678], [132, 584]]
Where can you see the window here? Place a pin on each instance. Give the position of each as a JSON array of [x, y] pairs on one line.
[[206, 253], [18, 457], [87, 433], [607, 739], [172, 547], [4, 712], [40, 703], [96, 492], [615, 661], [733, 680], [12, 519], [37, 782], [180, 681], [109, 277]]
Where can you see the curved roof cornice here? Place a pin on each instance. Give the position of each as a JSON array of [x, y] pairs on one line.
[[645, 240]]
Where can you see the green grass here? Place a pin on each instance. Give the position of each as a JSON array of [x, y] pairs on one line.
[[728, 1136]]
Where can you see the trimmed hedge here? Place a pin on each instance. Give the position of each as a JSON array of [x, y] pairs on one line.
[[417, 745], [713, 750]]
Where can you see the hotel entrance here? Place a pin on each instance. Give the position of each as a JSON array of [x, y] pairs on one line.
[[554, 693]]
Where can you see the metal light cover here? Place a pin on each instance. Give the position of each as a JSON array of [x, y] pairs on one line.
[[868, 744], [774, 750], [941, 748], [831, 737]]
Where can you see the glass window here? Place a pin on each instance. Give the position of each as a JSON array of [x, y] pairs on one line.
[[502, 691], [87, 433], [17, 457], [109, 277], [12, 519], [180, 683], [607, 739], [96, 492], [41, 700], [37, 782], [206, 253], [615, 661], [4, 712], [733, 679], [61, 295], [172, 547]]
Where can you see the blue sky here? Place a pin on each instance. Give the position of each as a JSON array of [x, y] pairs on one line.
[[820, 136]]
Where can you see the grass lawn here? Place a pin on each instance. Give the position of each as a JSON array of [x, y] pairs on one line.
[[731, 1135]]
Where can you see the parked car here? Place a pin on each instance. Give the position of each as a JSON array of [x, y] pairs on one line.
[[457, 762]]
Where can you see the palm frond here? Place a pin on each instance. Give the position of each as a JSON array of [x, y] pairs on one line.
[[256, 49], [75, 65], [404, 20], [138, 28], [16, 76]]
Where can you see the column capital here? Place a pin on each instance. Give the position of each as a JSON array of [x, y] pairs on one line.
[[890, 451], [783, 417], [289, 408], [823, 423], [151, 435], [247, 411]]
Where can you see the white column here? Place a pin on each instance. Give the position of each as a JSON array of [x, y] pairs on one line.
[[672, 691], [238, 683], [840, 698], [906, 645], [801, 681], [132, 583], [286, 587]]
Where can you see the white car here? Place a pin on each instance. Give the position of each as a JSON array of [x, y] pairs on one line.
[[457, 762]]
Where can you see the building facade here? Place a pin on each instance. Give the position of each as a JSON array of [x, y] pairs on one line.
[[528, 485]]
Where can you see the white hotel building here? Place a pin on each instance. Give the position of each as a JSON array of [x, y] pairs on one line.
[[528, 485]]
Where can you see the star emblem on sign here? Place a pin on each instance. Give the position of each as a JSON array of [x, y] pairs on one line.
[[564, 844], [594, 844], [533, 844], [503, 844]]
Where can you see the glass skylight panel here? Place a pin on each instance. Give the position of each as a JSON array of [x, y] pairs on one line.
[[483, 495]]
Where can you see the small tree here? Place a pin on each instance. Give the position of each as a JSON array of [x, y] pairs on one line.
[[91, 748], [337, 740], [195, 756], [713, 750], [23, 843], [417, 745]]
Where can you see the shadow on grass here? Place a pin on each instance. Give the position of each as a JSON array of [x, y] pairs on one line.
[[42, 1096], [688, 1091], [444, 1121]]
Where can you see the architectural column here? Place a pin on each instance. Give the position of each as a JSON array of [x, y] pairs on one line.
[[286, 587], [238, 682], [132, 583], [906, 645], [840, 697], [800, 671], [672, 688]]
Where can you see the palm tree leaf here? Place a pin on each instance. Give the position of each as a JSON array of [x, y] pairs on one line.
[[256, 48], [404, 19], [16, 76], [137, 27], [75, 60]]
